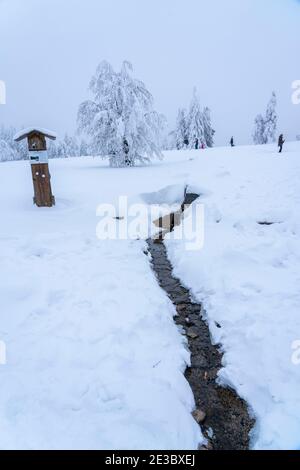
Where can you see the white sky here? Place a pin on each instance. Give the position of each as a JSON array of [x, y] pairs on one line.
[[235, 51]]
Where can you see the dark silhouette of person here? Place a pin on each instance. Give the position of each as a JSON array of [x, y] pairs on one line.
[[281, 141], [126, 150], [197, 144], [232, 142]]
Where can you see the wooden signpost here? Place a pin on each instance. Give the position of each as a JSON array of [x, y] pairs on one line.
[[38, 156]]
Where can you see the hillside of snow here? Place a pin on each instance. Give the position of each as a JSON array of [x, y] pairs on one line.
[[94, 359]]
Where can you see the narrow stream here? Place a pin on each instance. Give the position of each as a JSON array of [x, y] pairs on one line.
[[222, 415]]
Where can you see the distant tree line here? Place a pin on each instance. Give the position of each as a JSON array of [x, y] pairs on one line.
[[67, 147], [119, 123]]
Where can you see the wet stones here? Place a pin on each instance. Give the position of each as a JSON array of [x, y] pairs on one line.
[[192, 333], [199, 416], [225, 422]]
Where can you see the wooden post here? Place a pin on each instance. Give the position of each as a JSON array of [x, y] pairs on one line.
[[38, 156]]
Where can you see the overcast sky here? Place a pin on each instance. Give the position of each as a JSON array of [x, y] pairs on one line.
[[235, 51]]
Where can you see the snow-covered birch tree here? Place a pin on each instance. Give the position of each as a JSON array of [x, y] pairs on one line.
[[120, 119]]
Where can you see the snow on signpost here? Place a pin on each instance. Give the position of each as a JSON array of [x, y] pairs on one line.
[[38, 156]]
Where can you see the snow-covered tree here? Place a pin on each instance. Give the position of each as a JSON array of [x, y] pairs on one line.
[[259, 137], [84, 149], [65, 148], [120, 119], [209, 132], [266, 127], [53, 149], [271, 120], [181, 132], [11, 150], [169, 141], [6, 152], [70, 146], [193, 129], [19, 150], [195, 124]]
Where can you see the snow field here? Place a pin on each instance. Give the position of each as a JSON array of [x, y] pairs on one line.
[[94, 359]]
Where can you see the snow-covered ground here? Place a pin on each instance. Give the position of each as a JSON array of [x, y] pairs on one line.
[[94, 359]]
